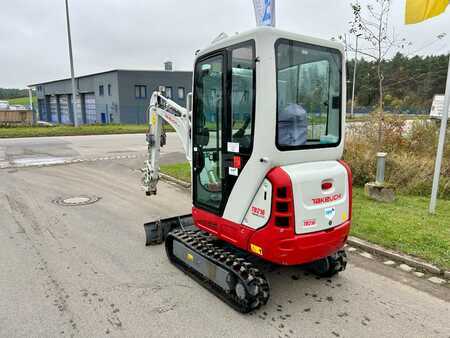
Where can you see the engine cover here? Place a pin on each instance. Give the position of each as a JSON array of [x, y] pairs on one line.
[[321, 195]]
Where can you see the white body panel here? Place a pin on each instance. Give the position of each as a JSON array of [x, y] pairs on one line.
[[317, 209], [260, 209], [252, 176]]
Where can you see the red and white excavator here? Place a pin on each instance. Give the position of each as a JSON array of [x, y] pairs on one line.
[[264, 133]]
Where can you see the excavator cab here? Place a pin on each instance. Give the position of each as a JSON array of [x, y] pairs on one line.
[[267, 134]]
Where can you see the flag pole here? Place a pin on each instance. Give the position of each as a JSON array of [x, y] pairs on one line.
[[441, 145]]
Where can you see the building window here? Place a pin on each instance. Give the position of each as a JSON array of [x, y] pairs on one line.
[[101, 90], [181, 93], [169, 92], [39, 88], [109, 90], [140, 91]]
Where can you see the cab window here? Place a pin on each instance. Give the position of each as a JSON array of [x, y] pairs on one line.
[[242, 96], [308, 95]]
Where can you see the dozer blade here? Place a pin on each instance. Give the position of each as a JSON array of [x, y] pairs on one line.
[[156, 231]]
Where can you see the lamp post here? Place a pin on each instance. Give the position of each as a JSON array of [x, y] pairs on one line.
[[74, 94]]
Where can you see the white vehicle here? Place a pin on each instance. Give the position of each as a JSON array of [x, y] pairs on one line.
[[264, 135], [4, 105], [17, 107]]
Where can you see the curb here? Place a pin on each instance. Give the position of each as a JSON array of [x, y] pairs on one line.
[[379, 250], [174, 180]]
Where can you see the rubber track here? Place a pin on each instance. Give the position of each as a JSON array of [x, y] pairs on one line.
[[252, 278]]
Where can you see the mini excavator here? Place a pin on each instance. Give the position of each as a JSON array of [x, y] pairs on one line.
[[264, 132]]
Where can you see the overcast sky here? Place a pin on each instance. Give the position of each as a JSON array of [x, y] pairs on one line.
[[142, 34]]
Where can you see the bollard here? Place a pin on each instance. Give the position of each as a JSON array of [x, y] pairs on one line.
[[381, 162]]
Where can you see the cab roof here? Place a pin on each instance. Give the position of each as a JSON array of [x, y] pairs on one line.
[[268, 34]]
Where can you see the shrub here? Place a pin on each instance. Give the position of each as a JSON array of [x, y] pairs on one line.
[[411, 148]]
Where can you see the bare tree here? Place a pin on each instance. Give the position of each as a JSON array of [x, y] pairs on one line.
[[371, 24]]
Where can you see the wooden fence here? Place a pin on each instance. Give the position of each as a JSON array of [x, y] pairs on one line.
[[16, 117]]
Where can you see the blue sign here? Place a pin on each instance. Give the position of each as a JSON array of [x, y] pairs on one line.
[[264, 12]]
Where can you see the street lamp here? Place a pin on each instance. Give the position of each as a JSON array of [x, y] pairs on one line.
[[74, 94]]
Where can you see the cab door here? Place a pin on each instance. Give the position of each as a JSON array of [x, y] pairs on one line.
[[207, 159], [223, 114]]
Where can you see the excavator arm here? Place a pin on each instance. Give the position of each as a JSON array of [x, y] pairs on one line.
[[163, 109]]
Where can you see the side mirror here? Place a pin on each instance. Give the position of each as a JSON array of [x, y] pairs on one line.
[[189, 101]]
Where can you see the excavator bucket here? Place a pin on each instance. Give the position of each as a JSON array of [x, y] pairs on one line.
[[156, 231]]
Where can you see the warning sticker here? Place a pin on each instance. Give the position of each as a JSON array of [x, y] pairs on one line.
[[233, 171], [256, 249], [233, 147]]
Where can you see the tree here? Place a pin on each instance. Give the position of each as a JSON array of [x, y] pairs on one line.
[[371, 23]]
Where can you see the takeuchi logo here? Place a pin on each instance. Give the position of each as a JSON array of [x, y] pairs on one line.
[[327, 199]]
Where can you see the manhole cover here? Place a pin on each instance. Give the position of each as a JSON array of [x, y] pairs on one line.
[[76, 200]]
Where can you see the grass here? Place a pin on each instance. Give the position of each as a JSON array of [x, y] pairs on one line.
[[100, 129], [182, 171], [22, 101], [404, 225]]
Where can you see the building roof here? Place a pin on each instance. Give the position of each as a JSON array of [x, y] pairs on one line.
[[111, 71]]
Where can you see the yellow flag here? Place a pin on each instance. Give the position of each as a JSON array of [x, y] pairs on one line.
[[421, 10]]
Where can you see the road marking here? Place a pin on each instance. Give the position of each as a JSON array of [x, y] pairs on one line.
[[52, 161]]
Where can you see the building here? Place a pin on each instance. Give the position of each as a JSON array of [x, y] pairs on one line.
[[115, 96]]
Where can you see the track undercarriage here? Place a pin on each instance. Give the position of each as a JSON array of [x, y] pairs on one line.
[[224, 270]]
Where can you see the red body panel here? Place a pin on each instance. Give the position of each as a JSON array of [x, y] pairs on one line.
[[278, 244], [233, 233]]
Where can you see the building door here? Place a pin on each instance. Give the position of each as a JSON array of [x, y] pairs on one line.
[[64, 108], [90, 108], [54, 109], [42, 110]]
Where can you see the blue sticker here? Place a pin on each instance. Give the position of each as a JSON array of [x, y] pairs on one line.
[[330, 212]]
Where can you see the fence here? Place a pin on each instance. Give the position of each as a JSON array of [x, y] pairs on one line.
[[16, 117]]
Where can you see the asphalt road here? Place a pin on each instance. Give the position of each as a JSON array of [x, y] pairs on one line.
[[44, 150], [83, 271]]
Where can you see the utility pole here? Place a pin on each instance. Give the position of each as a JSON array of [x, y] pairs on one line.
[[30, 97], [74, 93], [441, 145], [354, 76]]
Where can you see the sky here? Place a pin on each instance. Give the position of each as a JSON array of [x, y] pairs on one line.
[[142, 34]]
